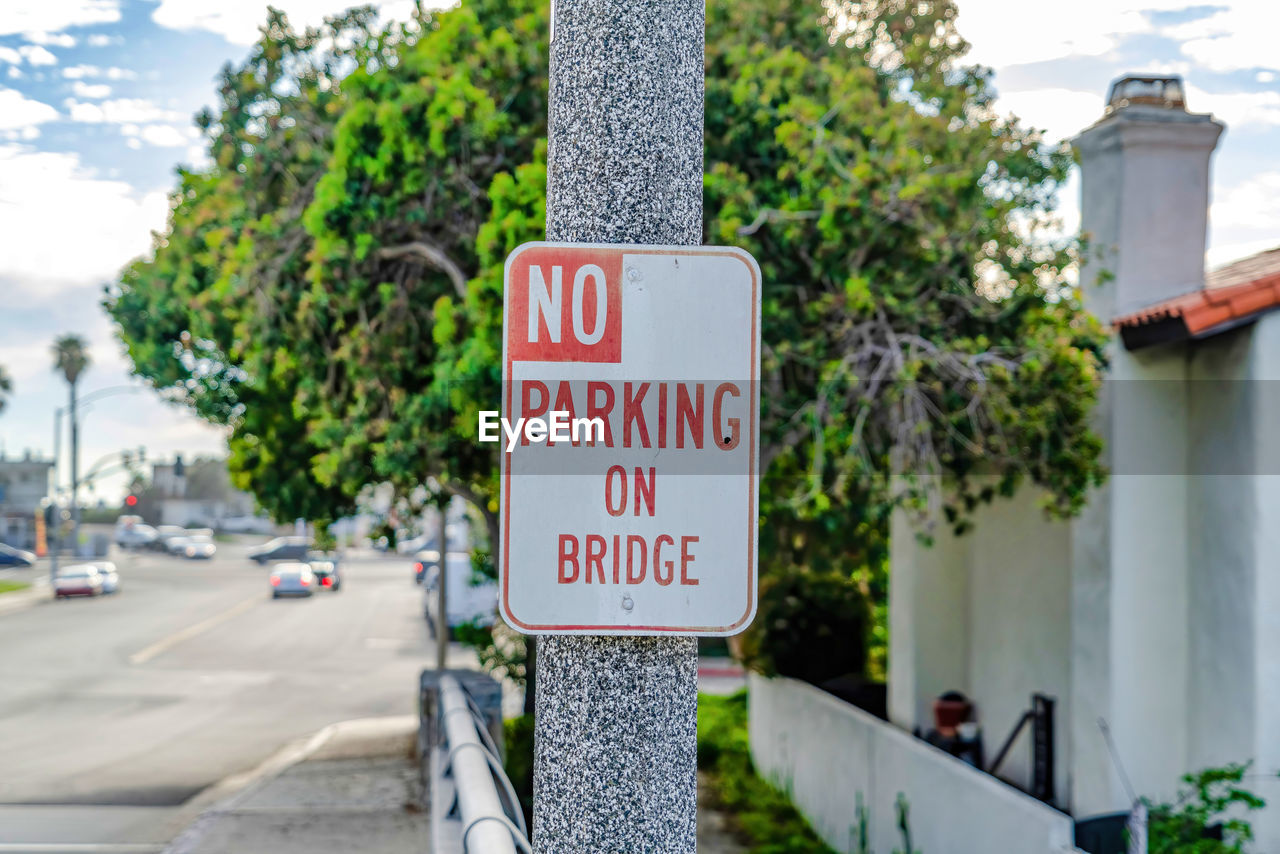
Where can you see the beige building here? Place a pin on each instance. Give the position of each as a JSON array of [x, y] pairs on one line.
[[24, 485]]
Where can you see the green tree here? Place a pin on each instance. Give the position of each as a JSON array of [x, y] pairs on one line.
[[331, 286], [71, 359]]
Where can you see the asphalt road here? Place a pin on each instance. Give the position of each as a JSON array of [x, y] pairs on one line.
[[116, 710]]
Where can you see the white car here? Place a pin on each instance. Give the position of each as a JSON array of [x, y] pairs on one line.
[[82, 579]]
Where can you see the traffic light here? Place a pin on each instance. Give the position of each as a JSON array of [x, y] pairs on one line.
[[131, 501]]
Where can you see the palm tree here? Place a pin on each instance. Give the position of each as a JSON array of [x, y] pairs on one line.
[[6, 386], [71, 357]]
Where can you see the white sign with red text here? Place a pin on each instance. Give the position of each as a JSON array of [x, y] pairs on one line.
[[629, 480]]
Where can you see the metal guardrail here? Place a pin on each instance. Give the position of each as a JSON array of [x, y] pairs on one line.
[[474, 807]]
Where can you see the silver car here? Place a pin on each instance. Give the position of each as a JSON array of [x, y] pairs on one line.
[[292, 579], [197, 546]]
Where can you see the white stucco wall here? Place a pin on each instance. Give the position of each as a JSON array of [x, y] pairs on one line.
[[1264, 372], [1148, 569], [1020, 635], [828, 755], [928, 621], [1221, 517], [988, 614]]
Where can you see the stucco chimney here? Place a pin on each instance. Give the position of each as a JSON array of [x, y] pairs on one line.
[[1145, 196]]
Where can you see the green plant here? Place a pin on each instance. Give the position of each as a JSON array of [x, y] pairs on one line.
[[761, 815], [860, 837], [1210, 800], [810, 625], [7, 586], [519, 761]]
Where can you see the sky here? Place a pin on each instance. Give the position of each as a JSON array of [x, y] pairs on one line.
[[96, 106]]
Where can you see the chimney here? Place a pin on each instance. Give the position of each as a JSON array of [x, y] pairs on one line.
[[1145, 196]]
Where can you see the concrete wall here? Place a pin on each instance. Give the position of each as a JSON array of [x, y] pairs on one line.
[[828, 755]]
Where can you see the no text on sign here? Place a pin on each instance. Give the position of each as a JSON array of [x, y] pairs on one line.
[[637, 515]]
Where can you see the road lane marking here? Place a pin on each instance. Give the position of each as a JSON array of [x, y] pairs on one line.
[[165, 644]]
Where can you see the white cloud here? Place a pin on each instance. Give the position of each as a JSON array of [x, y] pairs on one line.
[[74, 228], [1239, 35], [238, 20], [1060, 113], [90, 90], [120, 111], [15, 73], [11, 56], [52, 16], [91, 72], [100, 40], [1237, 109], [166, 136], [55, 39], [19, 113], [36, 55], [1252, 205], [1090, 28]]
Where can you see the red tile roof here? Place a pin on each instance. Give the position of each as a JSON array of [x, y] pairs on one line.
[[1233, 295]]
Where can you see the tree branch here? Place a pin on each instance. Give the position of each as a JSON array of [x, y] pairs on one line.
[[434, 256]]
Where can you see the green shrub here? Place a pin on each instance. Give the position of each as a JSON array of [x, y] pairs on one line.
[[1213, 797], [811, 626], [762, 816], [519, 762]]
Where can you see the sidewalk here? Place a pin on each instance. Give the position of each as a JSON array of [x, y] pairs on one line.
[[357, 789], [39, 591]]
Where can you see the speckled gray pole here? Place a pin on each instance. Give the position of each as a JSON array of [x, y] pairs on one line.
[[615, 768]]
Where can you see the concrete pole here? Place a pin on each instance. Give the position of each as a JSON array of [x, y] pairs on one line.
[[615, 765]]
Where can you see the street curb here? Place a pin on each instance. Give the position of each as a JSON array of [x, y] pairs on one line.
[[230, 792]]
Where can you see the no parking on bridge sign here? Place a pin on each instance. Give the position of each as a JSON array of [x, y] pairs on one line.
[[630, 487]]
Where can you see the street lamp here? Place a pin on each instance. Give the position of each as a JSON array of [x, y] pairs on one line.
[[57, 444]]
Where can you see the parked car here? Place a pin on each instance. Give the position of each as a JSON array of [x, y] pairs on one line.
[[281, 548], [423, 561], [110, 577], [465, 602], [245, 525], [134, 535], [195, 547], [293, 578], [325, 567], [81, 579], [9, 556], [165, 535]]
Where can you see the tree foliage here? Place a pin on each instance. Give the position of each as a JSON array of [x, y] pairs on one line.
[[70, 357], [1209, 815], [330, 284]]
